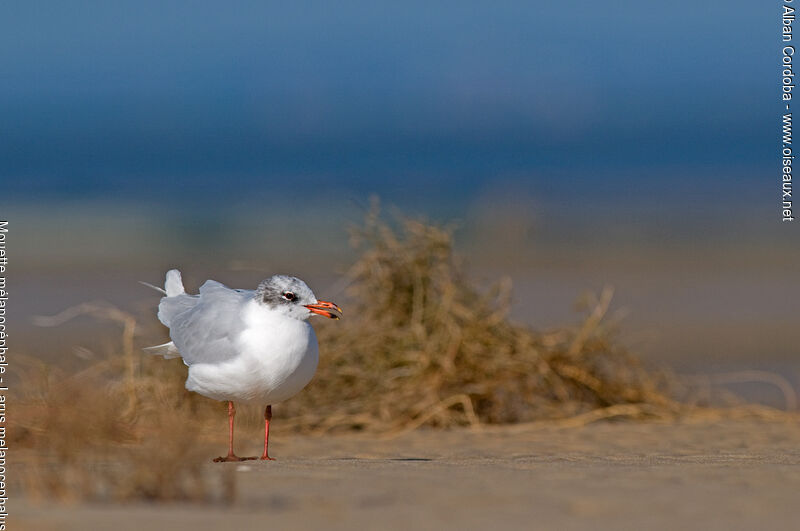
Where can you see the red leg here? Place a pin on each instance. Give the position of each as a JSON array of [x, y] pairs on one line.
[[267, 418], [231, 456]]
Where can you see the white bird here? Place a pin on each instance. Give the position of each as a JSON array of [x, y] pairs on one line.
[[243, 345]]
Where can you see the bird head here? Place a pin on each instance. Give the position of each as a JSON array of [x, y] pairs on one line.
[[293, 297]]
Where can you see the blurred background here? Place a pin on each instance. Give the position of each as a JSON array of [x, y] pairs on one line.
[[575, 145]]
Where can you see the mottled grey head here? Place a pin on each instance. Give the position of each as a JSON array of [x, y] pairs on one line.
[[293, 297]]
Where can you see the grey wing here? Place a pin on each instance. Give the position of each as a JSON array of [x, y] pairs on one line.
[[170, 307], [207, 332]]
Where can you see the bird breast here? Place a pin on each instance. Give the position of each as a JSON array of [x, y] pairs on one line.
[[281, 351]]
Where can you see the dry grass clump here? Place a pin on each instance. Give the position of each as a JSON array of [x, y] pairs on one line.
[[420, 344], [115, 430]]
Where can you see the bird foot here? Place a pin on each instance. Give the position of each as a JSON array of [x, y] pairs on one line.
[[266, 458], [232, 459]]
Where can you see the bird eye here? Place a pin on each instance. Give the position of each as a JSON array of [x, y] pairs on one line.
[[289, 296]]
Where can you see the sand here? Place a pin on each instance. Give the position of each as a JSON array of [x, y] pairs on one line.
[[730, 475]]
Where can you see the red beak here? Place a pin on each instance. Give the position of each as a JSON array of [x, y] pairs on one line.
[[328, 309]]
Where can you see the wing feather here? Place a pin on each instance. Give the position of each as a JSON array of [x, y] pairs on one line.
[[208, 330], [170, 307]]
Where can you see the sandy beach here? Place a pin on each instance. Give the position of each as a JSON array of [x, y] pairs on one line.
[[728, 475]]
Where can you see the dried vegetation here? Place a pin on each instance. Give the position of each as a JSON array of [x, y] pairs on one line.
[[421, 345]]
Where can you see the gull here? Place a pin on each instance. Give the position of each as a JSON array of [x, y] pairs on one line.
[[246, 346]]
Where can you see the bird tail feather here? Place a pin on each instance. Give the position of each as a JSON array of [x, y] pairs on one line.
[[168, 350], [174, 285], [142, 282]]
